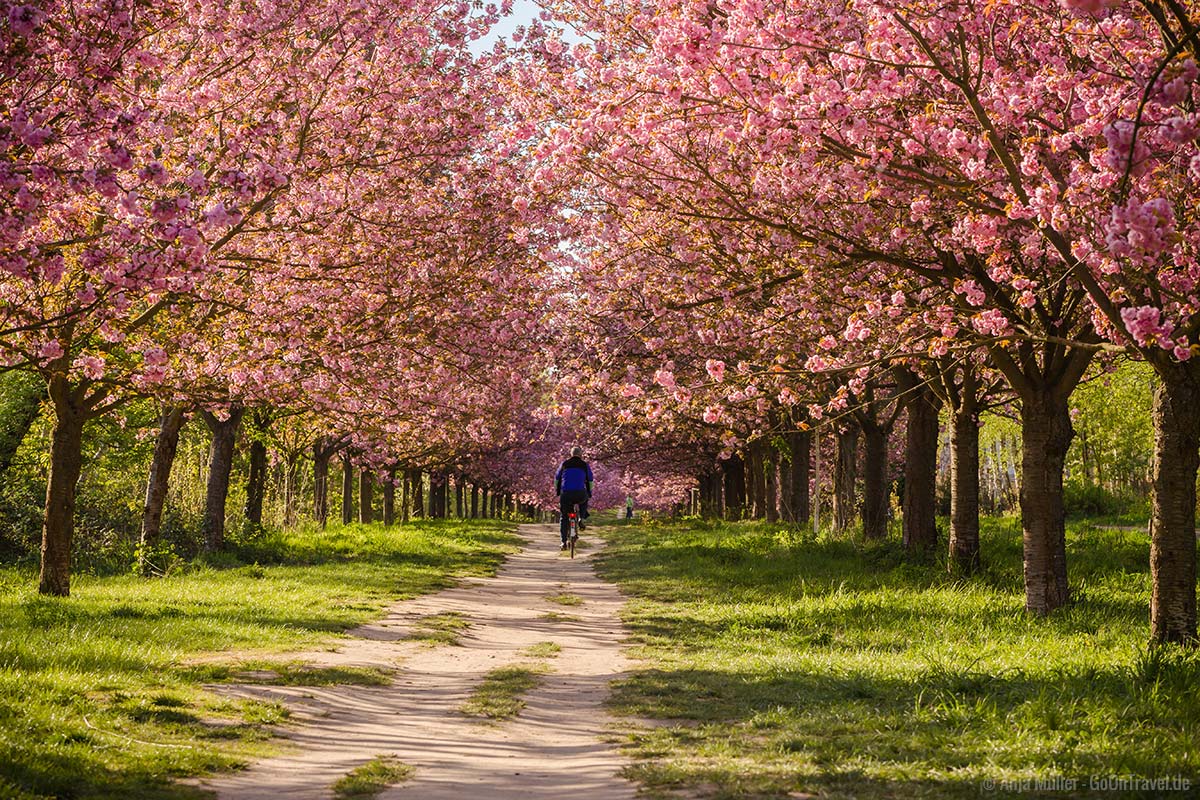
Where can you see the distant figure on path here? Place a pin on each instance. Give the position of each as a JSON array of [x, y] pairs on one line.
[[629, 507], [573, 484]]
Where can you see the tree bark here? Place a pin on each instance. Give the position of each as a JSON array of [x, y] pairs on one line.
[[366, 497], [964, 488], [800, 447], [321, 455], [734, 473], [1176, 415], [437, 499], [389, 499], [256, 480], [347, 489], [165, 448], [875, 486], [959, 388], [750, 466], [66, 462], [418, 493], [845, 476], [220, 467], [405, 492], [1045, 437], [474, 501], [770, 468], [920, 465]]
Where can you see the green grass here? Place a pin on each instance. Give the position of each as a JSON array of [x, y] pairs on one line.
[[100, 693], [501, 694], [783, 663], [369, 780], [555, 616], [289, 673], [444, 628], [543, 650], [565, 599]]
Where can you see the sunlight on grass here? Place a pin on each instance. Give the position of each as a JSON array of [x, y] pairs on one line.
[[369, 780], [565, 599], [794, 664], [501, 694], [444, 628], [125, 656], [543, 650], [290, 673]]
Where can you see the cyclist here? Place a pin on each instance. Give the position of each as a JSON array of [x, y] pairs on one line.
[[573, 485]]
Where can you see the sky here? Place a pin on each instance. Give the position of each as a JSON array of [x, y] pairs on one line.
[[523, 13]]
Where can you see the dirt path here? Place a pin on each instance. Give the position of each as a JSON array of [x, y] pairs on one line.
[[551, 750]]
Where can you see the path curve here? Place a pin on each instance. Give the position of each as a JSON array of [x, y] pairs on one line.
[[553, 749]]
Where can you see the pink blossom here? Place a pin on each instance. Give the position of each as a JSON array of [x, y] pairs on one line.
[[1146, 325], [50, 350], [91, 366], [991, 323], [1093, 8], [715, 369]]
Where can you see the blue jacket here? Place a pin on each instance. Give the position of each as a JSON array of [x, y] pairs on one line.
[[573, 475]]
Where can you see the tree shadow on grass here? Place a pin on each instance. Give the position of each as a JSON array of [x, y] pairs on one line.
[[854, 733]]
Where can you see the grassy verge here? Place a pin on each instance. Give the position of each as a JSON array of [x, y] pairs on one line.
[[445, 628], [789, 666], [100, 693], [369, 780], [501, 694]]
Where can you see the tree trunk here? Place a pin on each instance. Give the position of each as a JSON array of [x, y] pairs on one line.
[[437, 492], [321, 456], [165, 448], [405, 493], [474, 501], [256, 480], [418, 493], [734, 473], [770, 468], [389, 499], [66, 462], [875, 486], [750, 465], [347, 489], [366, 497], [800, 447], [1045, 436], [845, 476], [220, 467], [920, 470], [783, 463], [1176, 415], [964, 489]]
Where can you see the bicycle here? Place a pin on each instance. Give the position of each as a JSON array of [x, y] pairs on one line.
[[573, 528]]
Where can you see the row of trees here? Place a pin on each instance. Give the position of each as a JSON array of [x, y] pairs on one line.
[[853, 214], [688, 241]]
